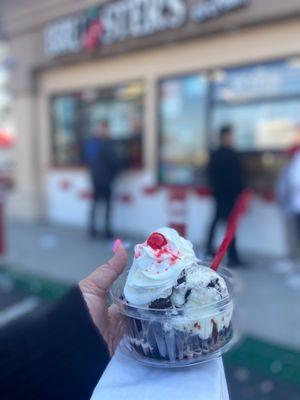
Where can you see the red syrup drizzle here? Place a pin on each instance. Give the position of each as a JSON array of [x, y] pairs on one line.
[[174, 258]]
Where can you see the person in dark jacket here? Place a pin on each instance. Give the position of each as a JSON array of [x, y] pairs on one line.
[[61, 354], [103, 164], [227, 181]]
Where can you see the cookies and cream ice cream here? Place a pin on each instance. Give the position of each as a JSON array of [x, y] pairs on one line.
[[166, 274]]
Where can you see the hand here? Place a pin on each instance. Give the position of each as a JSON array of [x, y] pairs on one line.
[[94, 289]]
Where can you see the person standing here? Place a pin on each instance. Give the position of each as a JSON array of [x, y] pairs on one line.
[[102, 161], [288, 196], [226, 178]]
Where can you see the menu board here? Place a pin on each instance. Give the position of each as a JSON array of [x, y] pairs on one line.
[[267, 80]]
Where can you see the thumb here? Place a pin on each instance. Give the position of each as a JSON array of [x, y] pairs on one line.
[[101, 280]]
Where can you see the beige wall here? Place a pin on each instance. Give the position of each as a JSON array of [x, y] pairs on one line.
[[223, 50], [25, 200]]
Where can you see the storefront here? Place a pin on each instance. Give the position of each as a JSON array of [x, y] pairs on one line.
[[165, 75]]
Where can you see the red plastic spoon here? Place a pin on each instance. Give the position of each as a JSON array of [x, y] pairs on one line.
[[239, 209]]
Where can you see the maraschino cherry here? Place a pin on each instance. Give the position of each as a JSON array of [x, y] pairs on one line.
[[156, 241]]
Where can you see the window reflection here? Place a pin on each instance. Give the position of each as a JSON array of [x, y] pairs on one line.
[[261, 126], [182, 124], [65, 113], [78, 116]]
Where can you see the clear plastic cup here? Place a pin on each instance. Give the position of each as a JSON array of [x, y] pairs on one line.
[[169, 338]]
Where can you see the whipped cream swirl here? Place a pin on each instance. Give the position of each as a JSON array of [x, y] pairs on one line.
[[156, 269]]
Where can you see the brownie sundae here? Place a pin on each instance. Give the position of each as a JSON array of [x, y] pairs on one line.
[[177, 308]]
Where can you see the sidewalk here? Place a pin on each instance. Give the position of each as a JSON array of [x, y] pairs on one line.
[[58, 252], [268, 302]]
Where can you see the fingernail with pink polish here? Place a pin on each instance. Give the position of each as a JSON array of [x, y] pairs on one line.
[[117, 244]]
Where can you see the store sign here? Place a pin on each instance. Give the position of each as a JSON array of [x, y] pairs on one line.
[[62, 37], [113, 23], [215, 8], [137, 18], [123, 20]]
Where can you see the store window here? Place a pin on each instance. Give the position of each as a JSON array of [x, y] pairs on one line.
[[183, 114], [262, 103], [79, 116], [122, 109]]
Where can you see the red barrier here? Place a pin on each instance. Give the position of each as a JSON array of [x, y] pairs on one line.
[[85, 195], [150, 190], [126, 198], [65, 185]]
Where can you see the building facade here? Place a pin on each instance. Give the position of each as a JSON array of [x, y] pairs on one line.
[[165, 74]]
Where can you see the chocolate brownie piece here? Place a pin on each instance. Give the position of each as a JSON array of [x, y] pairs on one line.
[[182, 278], [161, 303]]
